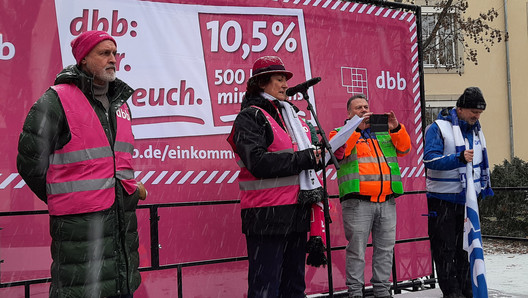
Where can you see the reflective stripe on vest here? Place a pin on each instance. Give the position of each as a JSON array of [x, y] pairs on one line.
[[267, 183], [273, 191], [448, 181], [78, 156], [81, 179], [86, 185], [369, 180]]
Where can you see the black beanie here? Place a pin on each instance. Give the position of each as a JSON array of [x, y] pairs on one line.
[[471, 99]]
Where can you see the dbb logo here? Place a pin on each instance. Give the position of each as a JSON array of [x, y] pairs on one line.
[[10, 49], [123, 114], [387, 82]]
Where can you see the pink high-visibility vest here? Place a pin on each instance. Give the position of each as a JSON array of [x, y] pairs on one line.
[[81, 175], [277, 191], [123, 150]]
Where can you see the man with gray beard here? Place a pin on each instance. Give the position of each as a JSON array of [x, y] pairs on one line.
[[75, 154]]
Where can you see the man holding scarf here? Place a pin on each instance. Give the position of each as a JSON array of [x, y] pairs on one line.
[[446, 157]]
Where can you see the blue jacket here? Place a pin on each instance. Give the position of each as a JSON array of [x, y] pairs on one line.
[[435, 159]]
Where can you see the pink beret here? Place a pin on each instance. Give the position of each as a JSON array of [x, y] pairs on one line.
[[86, 41]]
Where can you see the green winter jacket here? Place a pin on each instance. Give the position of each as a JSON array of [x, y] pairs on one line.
[[94, 254]]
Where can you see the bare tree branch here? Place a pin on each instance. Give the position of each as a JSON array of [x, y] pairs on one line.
[[459, 29], [438, 24]]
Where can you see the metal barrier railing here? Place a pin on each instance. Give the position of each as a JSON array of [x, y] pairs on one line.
[[154, 247]]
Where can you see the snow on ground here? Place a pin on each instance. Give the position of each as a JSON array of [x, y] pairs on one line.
[[506, 271], [506, 275]]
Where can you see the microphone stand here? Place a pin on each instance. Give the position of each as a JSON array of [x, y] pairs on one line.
[[325, 144]]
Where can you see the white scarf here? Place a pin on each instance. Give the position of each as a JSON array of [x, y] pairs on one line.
[[311, 189]]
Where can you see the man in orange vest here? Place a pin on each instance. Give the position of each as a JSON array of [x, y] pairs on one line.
[[75, 153], [369, 181]]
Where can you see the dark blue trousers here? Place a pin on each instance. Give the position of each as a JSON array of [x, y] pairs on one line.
[[276, 266], [446, 233]]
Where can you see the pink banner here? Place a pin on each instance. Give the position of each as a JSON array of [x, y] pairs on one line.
[[189, 62]]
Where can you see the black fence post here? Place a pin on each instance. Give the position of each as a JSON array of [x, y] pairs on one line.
[[27, 292], [180, 282], [394, 274], [154, 237]]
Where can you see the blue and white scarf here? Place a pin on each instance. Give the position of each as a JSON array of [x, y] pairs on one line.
[[460, 144], [472, 234], [473, 239]]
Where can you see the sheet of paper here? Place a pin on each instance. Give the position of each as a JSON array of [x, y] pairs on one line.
[[343, 134]]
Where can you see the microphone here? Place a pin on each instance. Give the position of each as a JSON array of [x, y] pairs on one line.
[[302, 87]]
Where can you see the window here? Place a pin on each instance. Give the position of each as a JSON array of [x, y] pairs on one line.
[[442, 52], [433, 108]]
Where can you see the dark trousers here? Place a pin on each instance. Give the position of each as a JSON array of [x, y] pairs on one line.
[[446, 232], [276, 266]]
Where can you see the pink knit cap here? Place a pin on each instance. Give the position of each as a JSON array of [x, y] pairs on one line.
[[86, 41]]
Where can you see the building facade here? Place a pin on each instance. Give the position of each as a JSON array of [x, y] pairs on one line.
[[500, 73]]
